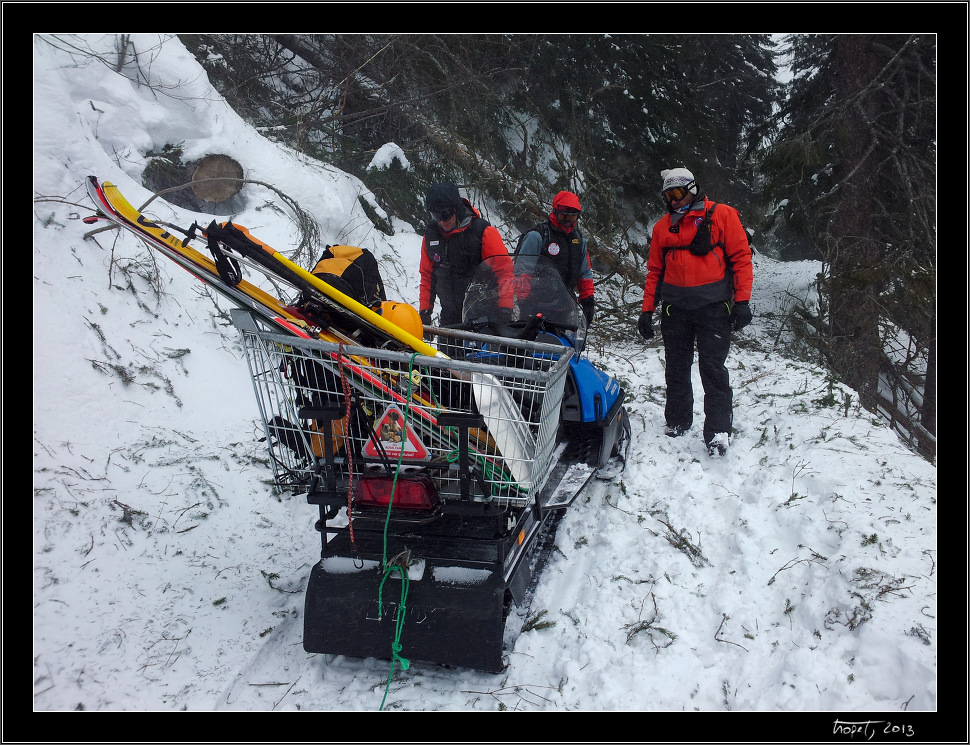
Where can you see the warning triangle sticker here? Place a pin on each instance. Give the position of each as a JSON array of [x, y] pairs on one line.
[[394, 438]]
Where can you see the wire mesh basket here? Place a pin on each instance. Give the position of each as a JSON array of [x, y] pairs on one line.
[[483, 427]]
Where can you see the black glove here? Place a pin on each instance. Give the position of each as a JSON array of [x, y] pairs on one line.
[[588, 307], [645, 324], [741, 315], [425, 317]]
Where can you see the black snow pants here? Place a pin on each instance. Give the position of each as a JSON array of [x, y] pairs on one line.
[[709, 327]]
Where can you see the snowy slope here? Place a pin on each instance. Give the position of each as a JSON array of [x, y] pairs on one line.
[[798, 574]]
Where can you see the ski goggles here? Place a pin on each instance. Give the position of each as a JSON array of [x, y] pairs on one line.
[[443, 215], [567, 218], [674, 194]]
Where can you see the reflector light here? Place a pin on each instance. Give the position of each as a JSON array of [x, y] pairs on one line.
[[521, 536], [410, 493]]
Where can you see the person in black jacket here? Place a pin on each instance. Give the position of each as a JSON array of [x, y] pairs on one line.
[[455, 242]]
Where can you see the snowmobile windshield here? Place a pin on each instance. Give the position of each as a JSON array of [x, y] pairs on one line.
[[508, 294]]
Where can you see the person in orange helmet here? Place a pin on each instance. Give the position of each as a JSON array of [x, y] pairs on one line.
[[699, 277]]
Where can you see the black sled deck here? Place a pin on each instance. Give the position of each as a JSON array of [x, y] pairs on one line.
[[443, 594], [447, 607], [458, 627]]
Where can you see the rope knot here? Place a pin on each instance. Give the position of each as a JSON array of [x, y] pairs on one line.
[[396, 648], [403, 559]]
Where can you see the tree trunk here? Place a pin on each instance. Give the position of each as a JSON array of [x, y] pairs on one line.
[[928, 412], [856, 254]]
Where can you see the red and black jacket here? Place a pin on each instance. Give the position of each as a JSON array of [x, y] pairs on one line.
[[448, 260], [688, 278]]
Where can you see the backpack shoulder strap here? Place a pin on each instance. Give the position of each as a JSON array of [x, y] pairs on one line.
[[542, 229], [708, 221]]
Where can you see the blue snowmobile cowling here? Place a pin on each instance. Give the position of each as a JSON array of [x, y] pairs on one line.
[[597, 400], [525, 299]]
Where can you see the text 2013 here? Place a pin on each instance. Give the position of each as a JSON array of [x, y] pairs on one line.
[[870, 729]]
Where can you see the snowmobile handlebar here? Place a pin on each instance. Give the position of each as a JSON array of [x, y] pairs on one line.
[[525, 329]]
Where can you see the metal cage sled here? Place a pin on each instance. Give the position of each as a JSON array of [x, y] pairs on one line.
[[391, 410]]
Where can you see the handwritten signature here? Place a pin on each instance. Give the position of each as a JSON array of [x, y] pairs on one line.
[[869, 729]]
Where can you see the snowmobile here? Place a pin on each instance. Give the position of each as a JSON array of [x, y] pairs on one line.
[[428, 567], [439, 477]]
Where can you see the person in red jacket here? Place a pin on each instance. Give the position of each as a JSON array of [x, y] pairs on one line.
[[456, 241], [699, 276]]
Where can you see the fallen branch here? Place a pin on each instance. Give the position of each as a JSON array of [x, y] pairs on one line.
[[724, 617]]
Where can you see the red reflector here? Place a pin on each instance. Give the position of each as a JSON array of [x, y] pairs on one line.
[[411, 493]]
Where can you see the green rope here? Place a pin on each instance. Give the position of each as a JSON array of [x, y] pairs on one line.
[[497, 475], [396, 658], [396, 647], [400, 457], [434, 398]]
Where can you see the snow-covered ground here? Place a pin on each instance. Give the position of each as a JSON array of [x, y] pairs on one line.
[[797, 574]]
